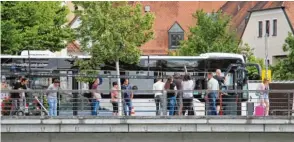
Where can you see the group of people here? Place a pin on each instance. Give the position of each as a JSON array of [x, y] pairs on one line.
[[176, 94], [19, 98], [173, 97], [127, 95]]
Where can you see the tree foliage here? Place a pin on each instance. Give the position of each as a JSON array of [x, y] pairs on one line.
[[248, 52], [211, 34], [37, 25], [284, 69], [112, 31]]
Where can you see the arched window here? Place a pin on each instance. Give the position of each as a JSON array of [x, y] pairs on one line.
[[175, 35]]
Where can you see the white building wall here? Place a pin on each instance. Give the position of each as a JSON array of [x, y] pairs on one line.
[[275, 43]]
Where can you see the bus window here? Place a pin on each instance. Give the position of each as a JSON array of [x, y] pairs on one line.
[[213, 64], [177, 65]]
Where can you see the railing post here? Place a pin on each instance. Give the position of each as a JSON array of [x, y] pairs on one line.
[[164, 107], [288, 103], [75, 95]]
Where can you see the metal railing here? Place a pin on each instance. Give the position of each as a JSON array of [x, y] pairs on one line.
[[231, 103]]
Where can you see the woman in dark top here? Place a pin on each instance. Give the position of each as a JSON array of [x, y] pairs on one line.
[[171, 95]]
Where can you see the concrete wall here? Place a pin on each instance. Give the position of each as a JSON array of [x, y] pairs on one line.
[[147, 137], [275, 43]]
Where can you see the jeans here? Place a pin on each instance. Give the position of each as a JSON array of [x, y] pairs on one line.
[[172, 104], [14, 106], [127, 106], [160, 104], [22, 103], [52, 106], [212, 103], [179, 103], [188, 105], [95, 106]]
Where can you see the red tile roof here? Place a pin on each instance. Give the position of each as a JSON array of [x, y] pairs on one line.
[[289, 9], [239, 11], [73, 48]]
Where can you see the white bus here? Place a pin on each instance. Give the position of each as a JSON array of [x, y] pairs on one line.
[[141, 75]]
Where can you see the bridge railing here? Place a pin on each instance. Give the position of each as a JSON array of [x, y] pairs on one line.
[[167, 103]]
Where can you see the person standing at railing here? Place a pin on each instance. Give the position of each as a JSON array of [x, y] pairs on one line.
[[264, 94], [188, 86], [18, 99], [4, 96], [52, 97], [128, 97], [221, 81], [114, 96], [179, 105], [159, 97], [170, 87], [96, 96], [212, 92]]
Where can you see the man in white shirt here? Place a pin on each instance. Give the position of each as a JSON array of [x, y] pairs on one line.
[[159, 96], [212, 90]]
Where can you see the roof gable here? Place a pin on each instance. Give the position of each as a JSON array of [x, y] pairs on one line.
[[240, 12], [176, 28], [289, 9]]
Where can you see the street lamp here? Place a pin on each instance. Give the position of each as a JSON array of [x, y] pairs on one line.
[[29, 58], [266, 55], [120, 106]]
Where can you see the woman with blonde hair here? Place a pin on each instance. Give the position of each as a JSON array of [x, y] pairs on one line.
[[264, 95]]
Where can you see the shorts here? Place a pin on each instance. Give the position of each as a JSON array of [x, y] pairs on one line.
[[115, 107], [264, 97]]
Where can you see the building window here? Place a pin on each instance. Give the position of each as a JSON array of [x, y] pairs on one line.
[[267, 26], [147, 8], [275, 27], [260, 29], [175, 35]]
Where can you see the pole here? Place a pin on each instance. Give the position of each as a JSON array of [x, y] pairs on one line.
[[75, 95], [120, 109], [29, 57], [266, 55]]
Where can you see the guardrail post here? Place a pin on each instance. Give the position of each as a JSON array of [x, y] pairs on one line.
[[75, 95], [288, 103]]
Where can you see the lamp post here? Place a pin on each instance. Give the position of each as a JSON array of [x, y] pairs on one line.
[[266, 55], [29, 58], [120, 106]]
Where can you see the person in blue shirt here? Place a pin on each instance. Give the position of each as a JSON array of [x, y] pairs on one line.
[[127, 97]]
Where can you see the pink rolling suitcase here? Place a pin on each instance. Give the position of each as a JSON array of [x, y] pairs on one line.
[[259, 110]]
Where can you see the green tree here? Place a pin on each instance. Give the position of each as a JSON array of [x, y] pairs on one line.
[[213, 34], [112, 32], [283, 70], [210, 34], [37, 25], [252, 71]]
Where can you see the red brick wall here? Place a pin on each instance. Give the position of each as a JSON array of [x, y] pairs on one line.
[[166, 14]]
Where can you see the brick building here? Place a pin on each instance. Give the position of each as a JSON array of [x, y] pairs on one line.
[[173, 19], [172, 22]]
